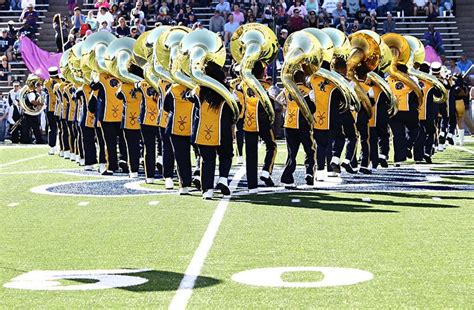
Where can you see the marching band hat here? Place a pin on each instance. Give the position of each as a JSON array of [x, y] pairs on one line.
[[53, 71], [436, 67]]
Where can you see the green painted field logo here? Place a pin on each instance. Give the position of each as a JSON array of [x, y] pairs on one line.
[[272, 277]]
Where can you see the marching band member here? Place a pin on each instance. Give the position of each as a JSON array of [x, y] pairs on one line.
[[86, 123], [179, 109], [32, 122], [92, 108], [14, 113], [236, 88], [62, 98], [50, 107], [69, 117], [212, 133], [257, 124], [298, 132], [149, 127], [167, 148]]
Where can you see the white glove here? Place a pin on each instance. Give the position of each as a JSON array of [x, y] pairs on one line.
[[371, 92], [311, 96]]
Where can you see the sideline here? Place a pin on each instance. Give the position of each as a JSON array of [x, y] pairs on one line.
[[22, 160], [185, 290]]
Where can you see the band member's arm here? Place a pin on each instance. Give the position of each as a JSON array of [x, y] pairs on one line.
[[168, 102], [33, 100]]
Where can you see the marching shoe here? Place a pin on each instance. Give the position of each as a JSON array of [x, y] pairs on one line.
[[67, 154], [266, 178], [133, 175], [364, 170], [397, 164], [427, 159], [208, 195], [107, 172], [169, 183], [253, 191], [51, 151], [333, 174], [289, 186], [335, 164], [72, 157], [123, 166], [309, 179], [222, 186], [240, 160], [89, 168], [383, 161], [102, 168], [409, 153], [320, 175], [183, 191], [78, 159], [82, 162], [449, 139], [442, 138], [61, 153], [149, 180], [461, 137], [347, 166], [197, 182]]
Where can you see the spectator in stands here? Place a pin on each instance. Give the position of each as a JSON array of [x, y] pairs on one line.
[[15, 5], [338, 13], [27, 31], [252, 19], [255, 7], [267, 16], [383, 7], [353, 7], [238, 16], [389, 24], [4, 107], [5, 70], [297, 6], [181, 17], [102, 3], [420, 5], [60, 30], [189, 11], [453, 67], [77, 20], [190, 21], [355, 26], [432, 9], [433, 39], [71, 4], [283, 4], [361, 14], [6, 45], [280, 15], [312, 6], [105, 27], [122, 30], [138, 23], [134, 33], [445, 6], [313, 20], [217, 22], [71, 40], [370, 4], [283, 35], [115, 11], [138, 13], [229, 28], [223, 7], [11, 30], [30, 16], [92, 21], [343, 25], [179, 4], [104, 15], [329, 5], [296, 21], [164, 16], [126, 8], [464, 64]]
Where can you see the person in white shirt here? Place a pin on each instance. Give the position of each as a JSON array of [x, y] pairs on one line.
[[420, 5], [223, 7], [4, 107], [105, 15], [330, 5], [298, 5]]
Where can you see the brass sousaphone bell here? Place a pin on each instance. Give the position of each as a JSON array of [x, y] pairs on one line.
[[30, 86], [118, 60], [93, 53]]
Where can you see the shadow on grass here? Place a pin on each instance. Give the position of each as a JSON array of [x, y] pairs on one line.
[[329, 202]]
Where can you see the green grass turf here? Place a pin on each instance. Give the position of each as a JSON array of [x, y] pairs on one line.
[[419, 250]]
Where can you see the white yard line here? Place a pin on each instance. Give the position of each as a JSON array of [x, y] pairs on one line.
[[464, 149], [22, 160], [185, 290]]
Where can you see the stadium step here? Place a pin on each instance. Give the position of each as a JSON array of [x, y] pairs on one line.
[[465, 12]]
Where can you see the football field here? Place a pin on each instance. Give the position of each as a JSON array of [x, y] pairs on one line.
[[401, 238]]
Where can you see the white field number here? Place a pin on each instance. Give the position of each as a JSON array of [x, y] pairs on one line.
[[271, 277], [48, 280]]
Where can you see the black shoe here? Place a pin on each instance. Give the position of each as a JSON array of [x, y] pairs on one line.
[[441, 139], [268, 181], [335, 167], [383, 163], [290, 186], [309, 180], [409, 154], [365, 170], [450, 140], [159, 168], [123, 166], [197, 183], [427, 159], [107, 172], [224, 189], [348, 168]]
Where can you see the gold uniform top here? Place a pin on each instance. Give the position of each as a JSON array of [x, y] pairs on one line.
[[179, 109], [325, 97], [112, 107], [241, 99], [163, 115], [58, 92], [71, 114], [377, 96], [293, 117], [209, 126], [427, 87], [90, 117], [254, 112], [149, 104], [131, 102], [67, 98], [402, 92], [51, 94]]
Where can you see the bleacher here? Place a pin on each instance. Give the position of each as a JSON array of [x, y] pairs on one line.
[[19, 70]]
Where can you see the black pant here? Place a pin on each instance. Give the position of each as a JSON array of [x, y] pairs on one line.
[[452, 113], [295, 137], [379, 143], [168, 154], [444, 119], [111, 132], [65, 135], [88, 145], [132, 141], [425, 141], [363, 129], [71, 136], [15, 134], [149, 137], [208, 163], [182, 152], [60, 133], [251, 154], [30, 123], [79, 138], [323, 147], [402, 122], [239, 135], [52, 128], [344, 128], [101, 143]]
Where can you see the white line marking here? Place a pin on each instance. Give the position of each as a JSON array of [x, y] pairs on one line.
[[185, 290], [366, 199], [436, 198], [464, 149], [153, 203], [13, 204], [22, 160], [83, 203]]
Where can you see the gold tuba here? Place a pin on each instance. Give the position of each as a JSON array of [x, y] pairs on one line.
[[30, 86], [300, 50], [251, 43], [401, 55], [118, 60], [93, 53], [75, 64], [198, 48], [417, 57], [342, 49], [143, 57], [365, 54]]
